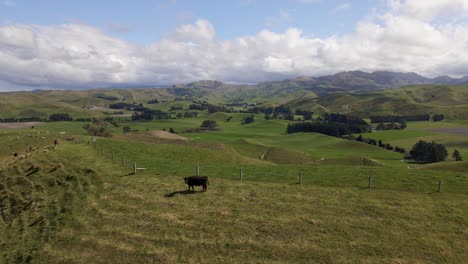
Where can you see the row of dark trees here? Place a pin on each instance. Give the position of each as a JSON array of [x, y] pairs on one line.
[[52, 117], [123, 105], [330, 129], [332, 124], [23, 119], [343, 119], [380, 144], [398, 118], [150, 114]]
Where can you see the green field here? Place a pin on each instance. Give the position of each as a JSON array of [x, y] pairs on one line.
[[76, 204], [80, 202]]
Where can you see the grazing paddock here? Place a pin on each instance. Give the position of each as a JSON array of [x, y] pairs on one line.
[[85, 207], [148, 219]]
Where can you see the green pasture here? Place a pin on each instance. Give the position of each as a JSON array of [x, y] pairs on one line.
[[87, 209], [80, 203]]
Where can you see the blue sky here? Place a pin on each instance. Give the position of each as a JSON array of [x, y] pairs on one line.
[[146, 21], [85, 44]]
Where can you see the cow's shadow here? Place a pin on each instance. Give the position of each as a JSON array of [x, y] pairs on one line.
[[185, 192]]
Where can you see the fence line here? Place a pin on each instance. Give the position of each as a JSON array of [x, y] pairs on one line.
[[135, 169]]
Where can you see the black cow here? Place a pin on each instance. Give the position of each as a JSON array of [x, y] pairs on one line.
[[197, 181]]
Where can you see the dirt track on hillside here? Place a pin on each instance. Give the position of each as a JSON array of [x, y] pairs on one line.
[[19, 125], [456, 130]]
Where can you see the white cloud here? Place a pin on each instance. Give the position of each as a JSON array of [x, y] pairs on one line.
[[75, 55], [201, 31], [430, 9]]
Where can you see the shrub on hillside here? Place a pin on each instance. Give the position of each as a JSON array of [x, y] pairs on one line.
[[456, 155], [208, 124], [98, 128], [437, 118], [248, 120]]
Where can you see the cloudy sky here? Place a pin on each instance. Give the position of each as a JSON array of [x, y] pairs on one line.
[[86, 44]]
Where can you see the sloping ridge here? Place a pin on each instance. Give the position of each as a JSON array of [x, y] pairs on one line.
[[39, 196]]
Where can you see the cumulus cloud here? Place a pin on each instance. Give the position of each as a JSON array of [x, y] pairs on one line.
[[80, 56], [430, 9], [201, 31]]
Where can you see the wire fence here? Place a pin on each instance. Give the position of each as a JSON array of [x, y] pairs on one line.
[[291, 174]]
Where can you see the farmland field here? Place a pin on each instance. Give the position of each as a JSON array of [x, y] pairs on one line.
[[150, 217]]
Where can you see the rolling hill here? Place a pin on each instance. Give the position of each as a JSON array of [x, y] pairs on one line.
[[347, 92], [451, 101]]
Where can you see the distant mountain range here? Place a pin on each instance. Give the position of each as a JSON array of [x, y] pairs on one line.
[[362, 81], [348, 82], [346, 92]]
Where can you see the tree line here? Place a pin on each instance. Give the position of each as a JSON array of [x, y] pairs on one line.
[[381, 144], [333, 124], [398, 118]]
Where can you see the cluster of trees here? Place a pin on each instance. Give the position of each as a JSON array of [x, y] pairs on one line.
[[248, 120], [428, 152], [380, 144], [332, 124], [437, 118], [202, 106], [176, 108], [398, 118], [307, 115], [153, 101], [187, 115], [150, 114], [390, 126], [208, 124], [278, 112], [122, 105], [343, 119]]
